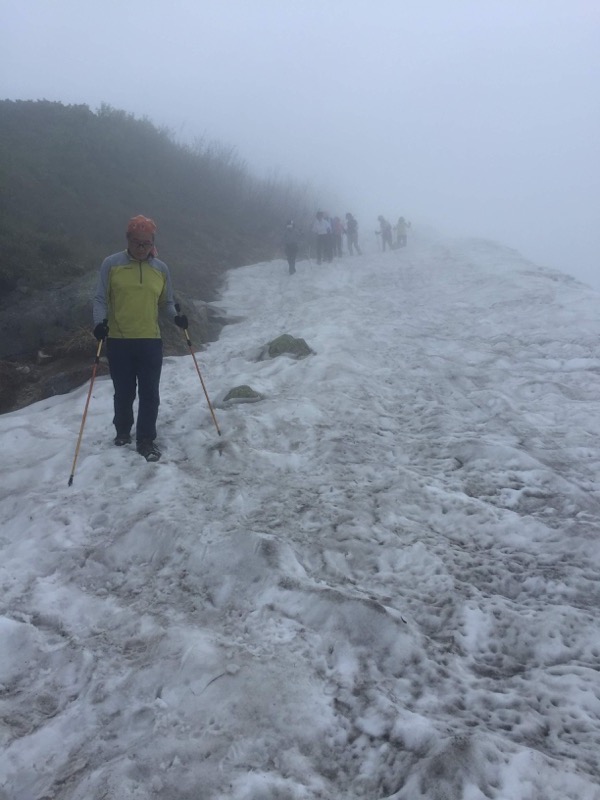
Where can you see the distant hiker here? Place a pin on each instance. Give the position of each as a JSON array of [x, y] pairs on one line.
[[352, 234], [291, 240], [329, 239], [401, 231], [385, 229], [322, 230], [337, 230], [131, 286]]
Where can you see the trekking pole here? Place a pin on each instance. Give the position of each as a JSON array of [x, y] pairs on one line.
[[189, 344], [87, 402]]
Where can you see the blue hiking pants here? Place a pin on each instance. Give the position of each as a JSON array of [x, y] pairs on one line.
[[135, 364]]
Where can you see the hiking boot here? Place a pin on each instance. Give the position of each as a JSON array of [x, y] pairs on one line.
[[122, 439], [148, 449]]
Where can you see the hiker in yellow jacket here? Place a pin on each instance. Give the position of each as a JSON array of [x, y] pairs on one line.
[[131, 286]]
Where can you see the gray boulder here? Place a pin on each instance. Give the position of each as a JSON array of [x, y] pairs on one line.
[[242, 394], [287, 345]]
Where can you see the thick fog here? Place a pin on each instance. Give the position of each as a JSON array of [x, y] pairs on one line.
[[477, 118]]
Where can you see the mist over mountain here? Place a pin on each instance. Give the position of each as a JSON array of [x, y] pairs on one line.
[[72, 177]]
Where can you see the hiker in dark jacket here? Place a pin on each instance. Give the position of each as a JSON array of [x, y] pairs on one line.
[[337, 230], [385, 230], [291, 243], [352, 234]]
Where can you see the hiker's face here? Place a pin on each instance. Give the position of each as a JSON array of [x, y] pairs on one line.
[[140, 246]]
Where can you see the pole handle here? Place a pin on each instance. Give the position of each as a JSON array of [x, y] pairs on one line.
[[185, 330]]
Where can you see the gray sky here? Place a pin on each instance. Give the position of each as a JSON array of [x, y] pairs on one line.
[[481, 117]]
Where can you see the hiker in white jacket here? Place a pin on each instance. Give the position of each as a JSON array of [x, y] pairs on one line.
[[322, 230]]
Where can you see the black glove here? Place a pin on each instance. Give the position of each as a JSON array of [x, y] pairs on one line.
[[181, 321], [101, 331]]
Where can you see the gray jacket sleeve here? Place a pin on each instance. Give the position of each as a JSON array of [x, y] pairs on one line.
[[169, 299], [99, 303]]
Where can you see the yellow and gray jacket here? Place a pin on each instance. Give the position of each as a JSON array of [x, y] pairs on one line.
[[129, 293]]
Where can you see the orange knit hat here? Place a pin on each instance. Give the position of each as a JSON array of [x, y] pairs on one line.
[[141, 225]]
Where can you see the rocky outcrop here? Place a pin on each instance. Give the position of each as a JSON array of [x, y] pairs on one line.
[[242, 394], [287, 345], [47, 346], [31, 319]]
